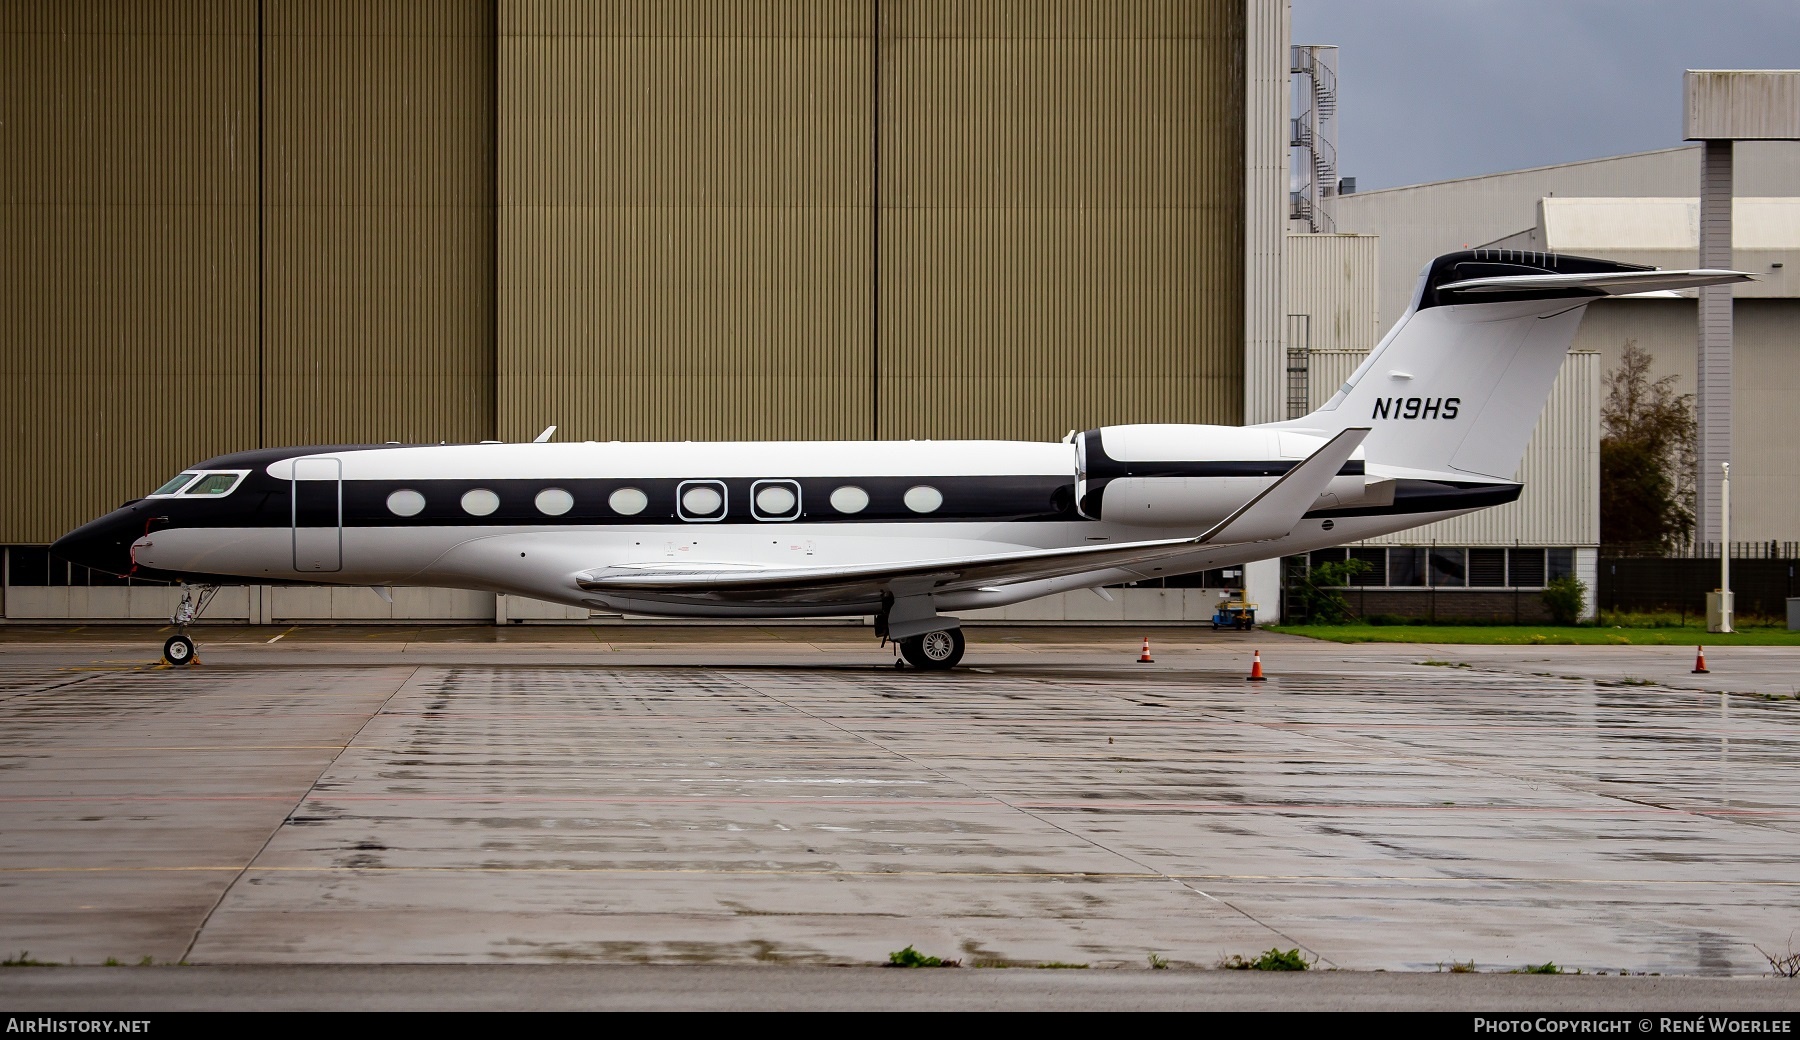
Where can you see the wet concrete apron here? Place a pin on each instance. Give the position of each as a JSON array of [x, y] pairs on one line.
[[1370, 812]]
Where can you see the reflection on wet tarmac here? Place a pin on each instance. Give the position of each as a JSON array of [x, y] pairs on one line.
[[1375, 813]]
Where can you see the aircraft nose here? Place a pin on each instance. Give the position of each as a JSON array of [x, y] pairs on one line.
[[103, 544]]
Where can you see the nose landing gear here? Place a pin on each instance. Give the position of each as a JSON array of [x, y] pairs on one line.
[[178, 650]]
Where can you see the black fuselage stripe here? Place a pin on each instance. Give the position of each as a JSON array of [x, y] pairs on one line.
[[263, 501]]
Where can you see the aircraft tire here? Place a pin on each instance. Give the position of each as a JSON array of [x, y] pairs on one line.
[[937, 651], [178, 651]]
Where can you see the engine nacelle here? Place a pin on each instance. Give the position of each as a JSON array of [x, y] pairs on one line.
[[1171, 475]]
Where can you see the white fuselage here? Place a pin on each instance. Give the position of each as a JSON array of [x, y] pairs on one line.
[[991, 497]]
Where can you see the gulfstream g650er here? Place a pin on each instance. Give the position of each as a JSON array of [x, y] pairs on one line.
[[1433, 424]]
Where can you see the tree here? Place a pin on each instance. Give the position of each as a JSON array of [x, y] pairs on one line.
[[1321, 591], [1646, 456]]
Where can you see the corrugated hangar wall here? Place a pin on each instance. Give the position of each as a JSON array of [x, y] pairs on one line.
[[233, 224], [684, 220], [378, 221], [1061, 239], [127, 251]]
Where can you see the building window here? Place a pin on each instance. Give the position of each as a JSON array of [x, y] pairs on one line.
[[1559, 563], [1374, 566], [30, 565], [1487, 568], [1449, 568], [1406, 567], [1525, 568]]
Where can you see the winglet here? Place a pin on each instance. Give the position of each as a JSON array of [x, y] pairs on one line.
[[1275, 512], [544, 438]]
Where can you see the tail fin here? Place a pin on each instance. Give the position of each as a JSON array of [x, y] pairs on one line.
[[1460, 380]]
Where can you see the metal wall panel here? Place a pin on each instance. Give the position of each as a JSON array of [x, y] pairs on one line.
[[1765, 469], [1421, 221], [685, 220], [378, 222], [128, 275], [1267, 98], [1327, 370], [1334, 281], [1061, 239], [1741, 104]]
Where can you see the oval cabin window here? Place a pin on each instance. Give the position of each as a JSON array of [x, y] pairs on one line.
[[701, 500], [849, 499], [406, 502], [775, 500], [554, 501], [482, 502], [923, 499], [628, 501]]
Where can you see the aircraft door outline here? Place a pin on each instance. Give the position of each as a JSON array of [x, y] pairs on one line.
[[317, 515]]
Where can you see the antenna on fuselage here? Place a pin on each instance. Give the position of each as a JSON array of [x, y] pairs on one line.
[[544, 438]]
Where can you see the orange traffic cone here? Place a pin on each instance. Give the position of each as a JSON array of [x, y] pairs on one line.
[[1144, 657], [1256, 674], [1700, 661]]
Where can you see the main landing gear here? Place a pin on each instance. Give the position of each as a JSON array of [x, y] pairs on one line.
[[178, 649], [934, 651], [928, 641]]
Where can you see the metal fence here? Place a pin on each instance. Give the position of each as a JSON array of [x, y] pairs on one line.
[[1762, 584], [1770, 550]]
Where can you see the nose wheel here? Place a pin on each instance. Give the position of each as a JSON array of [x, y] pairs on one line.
[[178, 651], [934, 651]]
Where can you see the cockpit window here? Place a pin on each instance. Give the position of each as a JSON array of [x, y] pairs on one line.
[[213, 485], [180, 481]]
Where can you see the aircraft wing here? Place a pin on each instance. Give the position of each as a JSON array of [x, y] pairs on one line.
[[1271, 514]]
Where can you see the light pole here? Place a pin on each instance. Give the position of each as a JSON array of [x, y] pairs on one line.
[[1725, 547]]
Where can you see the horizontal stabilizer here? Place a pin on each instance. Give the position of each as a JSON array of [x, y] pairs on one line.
[[1602, 283]]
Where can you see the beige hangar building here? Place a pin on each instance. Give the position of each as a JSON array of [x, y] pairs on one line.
[[1346, 288], [243, 223]]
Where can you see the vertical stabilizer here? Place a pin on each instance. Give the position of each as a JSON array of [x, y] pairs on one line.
[[1459, 382]]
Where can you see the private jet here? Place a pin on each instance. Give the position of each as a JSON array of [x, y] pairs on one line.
[[1432, 425]]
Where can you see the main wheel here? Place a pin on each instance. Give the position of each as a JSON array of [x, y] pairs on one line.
[[178, 651], [934, 651]]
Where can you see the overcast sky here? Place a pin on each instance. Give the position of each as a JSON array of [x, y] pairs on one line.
[[1431, 89]]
